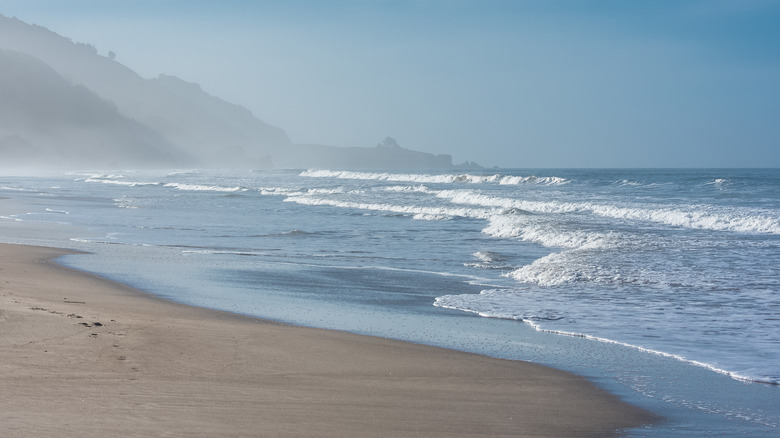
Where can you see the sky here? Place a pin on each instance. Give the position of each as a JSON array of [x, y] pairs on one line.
[[523, 83]]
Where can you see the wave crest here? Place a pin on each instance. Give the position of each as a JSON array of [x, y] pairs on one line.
[[437, 179]]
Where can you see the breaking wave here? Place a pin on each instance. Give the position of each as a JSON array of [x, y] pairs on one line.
[[118, 180], [512, 226], [437, 179], [417, 212], [205, 188], [703, 217]]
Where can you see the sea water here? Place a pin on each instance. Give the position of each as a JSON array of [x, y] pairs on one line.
[[662, 286]]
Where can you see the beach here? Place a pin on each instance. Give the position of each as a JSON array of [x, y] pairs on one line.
[[84, 356]]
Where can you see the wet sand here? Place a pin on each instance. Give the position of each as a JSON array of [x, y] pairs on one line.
[[84, 356]]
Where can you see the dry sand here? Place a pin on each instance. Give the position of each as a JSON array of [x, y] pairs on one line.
[[83, 356]]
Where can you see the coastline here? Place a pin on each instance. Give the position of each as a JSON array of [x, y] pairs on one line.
[[86, 356]]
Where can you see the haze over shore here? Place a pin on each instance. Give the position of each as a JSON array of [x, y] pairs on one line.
[[62, 105]]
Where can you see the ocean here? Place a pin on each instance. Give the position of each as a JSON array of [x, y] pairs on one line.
[[660, 285]]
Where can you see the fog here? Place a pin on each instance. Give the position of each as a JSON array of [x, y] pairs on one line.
[[519, 84], [65, 105]]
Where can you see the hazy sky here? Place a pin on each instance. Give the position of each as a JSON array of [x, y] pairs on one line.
[[510, 83]]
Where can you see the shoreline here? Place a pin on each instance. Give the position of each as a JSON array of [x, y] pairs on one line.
[[86, 356]]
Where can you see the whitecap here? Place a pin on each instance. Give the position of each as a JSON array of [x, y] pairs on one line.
[[118, 179], [418, 212], [204, 188], [402, 189], [435, 179], [705, 217]]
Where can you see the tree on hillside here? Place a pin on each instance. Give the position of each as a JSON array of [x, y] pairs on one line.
[[388, 143]]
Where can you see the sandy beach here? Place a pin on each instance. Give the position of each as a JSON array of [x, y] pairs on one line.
[[83, 356]]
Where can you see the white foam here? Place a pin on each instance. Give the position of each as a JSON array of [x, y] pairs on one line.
[[108, 242], [51, 210], [637, 184], [558, 268], [718, 182], [548, 235], [488, 260], [337, 190], [204, 188], [492, 305], [124, 202], [117, 180], [436, 179], [378, 176], [701, 217], [417, 212], [15, 189], [471, 197], [280, 191], [704, 217], [486, 256], [431, 217], [220, 252], [407, 189], [545, 180]]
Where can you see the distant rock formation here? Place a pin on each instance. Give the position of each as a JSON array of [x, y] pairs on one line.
[[331, 157], [64, 105]]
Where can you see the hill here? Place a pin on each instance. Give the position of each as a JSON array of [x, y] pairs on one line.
[[62, 105], [47, 122]]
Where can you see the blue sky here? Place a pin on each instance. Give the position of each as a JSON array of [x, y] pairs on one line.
[[508, 83]]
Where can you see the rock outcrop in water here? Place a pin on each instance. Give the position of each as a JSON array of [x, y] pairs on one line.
[[64, 105]]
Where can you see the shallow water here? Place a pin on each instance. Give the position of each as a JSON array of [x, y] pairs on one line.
[[668, 278]]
